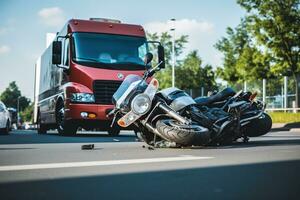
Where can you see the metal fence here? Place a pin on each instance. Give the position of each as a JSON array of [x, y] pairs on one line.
[[279, 94]]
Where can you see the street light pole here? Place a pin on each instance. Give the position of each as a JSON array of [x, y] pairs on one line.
[[173, 53]]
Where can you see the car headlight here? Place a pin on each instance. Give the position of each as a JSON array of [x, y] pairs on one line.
[[140, 104], [82, 97]]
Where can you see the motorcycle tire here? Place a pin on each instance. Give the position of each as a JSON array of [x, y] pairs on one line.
[[184, 135], [259, 127]]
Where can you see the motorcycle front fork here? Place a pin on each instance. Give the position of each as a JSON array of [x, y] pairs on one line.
[[167, 111]]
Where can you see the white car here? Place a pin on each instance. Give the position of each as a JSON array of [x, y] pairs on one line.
[[5, 122]]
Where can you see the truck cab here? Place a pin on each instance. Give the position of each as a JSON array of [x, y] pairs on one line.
[[80, 71]]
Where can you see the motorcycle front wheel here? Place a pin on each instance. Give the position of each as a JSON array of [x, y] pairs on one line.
[[184, 135]]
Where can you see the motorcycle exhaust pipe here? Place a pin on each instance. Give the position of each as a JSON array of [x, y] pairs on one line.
[[173, 114]]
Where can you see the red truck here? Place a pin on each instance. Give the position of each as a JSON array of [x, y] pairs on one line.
[[81, 69]]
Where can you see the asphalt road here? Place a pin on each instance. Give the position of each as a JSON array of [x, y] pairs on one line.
[[54, 167]]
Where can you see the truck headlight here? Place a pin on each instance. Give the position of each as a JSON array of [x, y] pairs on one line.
[[141, 104], [82, 97]]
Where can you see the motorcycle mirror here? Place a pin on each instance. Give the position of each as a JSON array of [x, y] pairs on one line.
[[148, 58], [161, 56]]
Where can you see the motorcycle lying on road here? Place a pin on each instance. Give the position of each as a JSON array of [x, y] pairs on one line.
[[171, 118], [137, 103]]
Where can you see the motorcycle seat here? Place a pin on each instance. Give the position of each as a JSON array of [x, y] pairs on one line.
[[220, 96]]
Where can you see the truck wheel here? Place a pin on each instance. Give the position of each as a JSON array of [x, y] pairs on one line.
[[185, 135], [41, 128], [64, 127], [113, 131]]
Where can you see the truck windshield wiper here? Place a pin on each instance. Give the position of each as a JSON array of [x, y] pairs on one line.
[[130, 63], [89, 59]]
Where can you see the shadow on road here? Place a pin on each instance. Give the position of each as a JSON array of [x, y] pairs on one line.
[[31, 137], [281, 142], [286, 127], [276, 180]]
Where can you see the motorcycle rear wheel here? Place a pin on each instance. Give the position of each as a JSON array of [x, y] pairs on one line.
[[259, 127]]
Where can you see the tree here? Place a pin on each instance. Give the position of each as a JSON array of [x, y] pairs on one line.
[[11, 95], [275, 25], [243, 61], [232, 47], [27, 114], [165, 39], [191, 75]]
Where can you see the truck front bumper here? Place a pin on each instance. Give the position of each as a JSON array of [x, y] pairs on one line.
[[94, 112]]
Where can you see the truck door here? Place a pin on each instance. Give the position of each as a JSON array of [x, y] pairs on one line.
[[65, 61]]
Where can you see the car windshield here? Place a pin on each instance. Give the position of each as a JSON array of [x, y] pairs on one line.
[[109, 51]]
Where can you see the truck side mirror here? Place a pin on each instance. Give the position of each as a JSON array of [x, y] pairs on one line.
[[56, 52], [161, 56]]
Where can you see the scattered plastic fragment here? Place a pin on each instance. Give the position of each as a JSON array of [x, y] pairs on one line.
[[87, 147]]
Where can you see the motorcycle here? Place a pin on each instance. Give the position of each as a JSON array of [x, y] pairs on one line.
[[137, 104], [171, 118], [254, 120]]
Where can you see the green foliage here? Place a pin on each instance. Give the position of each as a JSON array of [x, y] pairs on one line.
[[10, 97], [275, 26], [243, 61], [165, 39], [191, 75], [284, 117], [27, 114], [164, 76]]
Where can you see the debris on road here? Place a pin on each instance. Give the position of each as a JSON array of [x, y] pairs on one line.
[[116, 140], [87, 147]]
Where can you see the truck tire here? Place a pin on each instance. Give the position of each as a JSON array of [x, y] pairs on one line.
[[64, 127], [185, 135], [41, 128]]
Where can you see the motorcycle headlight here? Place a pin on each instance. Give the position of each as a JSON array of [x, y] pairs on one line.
[[82, 98], [140, 104]]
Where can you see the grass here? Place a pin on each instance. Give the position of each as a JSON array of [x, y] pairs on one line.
[[284, 117]]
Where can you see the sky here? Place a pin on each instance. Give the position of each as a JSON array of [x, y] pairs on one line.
[[24, 24]]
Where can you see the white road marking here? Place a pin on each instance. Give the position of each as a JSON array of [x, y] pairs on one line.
[[99, 163]]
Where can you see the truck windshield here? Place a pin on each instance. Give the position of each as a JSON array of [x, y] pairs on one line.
[[109, 51]]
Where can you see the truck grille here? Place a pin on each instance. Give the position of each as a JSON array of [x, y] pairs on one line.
[[104, 90]]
